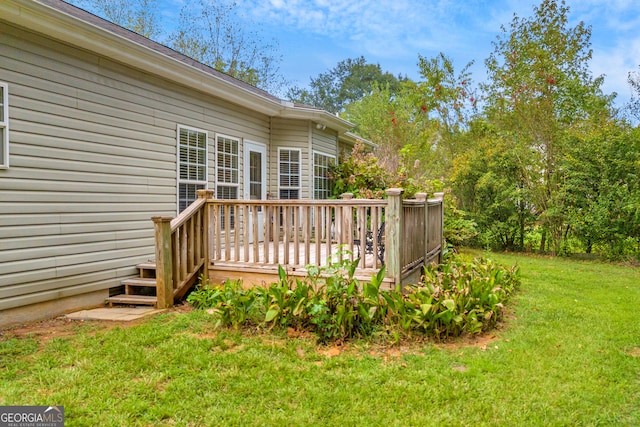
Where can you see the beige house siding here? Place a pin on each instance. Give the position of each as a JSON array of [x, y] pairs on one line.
[[306, 136], [293, 134], [93, 157], [325, 141]]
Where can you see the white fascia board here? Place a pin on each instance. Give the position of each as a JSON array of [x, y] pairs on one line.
[[353, 138], [319, 116]]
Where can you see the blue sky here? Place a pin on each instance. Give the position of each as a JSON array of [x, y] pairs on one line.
[[314, 35]]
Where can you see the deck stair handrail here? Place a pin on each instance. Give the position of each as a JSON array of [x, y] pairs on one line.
[[181, 250]]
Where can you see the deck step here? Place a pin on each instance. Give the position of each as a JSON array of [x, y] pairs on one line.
[[147, 270], [132, 300], [147, 265], [147, 282]]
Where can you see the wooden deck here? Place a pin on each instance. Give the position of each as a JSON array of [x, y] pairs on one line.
[[249, 239]]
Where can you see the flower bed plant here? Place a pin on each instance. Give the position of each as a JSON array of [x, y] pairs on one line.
[[452, 299]]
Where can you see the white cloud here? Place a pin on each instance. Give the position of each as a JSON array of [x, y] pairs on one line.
[[615, 64], [395, 32], [380, 25]]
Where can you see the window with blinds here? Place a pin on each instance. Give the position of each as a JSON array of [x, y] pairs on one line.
[[289, 173], [192, 165], [228, 172]]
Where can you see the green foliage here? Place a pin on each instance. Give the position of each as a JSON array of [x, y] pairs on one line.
[[490, 185], [459, 229], [568, 356], [547, 166], [453, 299], [285, 302], [418, 126], [140, 16], [347, 82], [540, 89], [602, 189], [230, 304], [396, 124], [330, 302], [362, 174], [335, 309]]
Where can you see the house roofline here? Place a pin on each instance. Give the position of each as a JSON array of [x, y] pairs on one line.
[[353, 138], [75, 26]]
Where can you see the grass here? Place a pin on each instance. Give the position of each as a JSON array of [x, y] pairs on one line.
[[569, 354]]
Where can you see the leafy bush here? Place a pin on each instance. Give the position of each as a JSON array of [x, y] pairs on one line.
[[364, 175], [457, 298], [458, 228], [342, 307], [452, 299], [230, 304]]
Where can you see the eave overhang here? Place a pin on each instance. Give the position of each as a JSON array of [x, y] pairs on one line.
[[52, 22]]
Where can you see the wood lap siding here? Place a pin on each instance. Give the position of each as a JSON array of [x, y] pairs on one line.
[[93, 157]]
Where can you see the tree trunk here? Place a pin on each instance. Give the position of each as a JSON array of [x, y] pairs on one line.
[[543, 241], [521, 237]]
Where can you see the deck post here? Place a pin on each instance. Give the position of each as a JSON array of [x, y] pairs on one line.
[[422, 198], [206, 219], [393, 230], [346, 230], [164, 261], [440, 196]]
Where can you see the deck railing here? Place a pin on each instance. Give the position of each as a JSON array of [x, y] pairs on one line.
[[295, 233], [401, 234]]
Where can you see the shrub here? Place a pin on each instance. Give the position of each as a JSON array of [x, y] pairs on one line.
[[230, 304], [457, 298], [342, 307], [452, 299]]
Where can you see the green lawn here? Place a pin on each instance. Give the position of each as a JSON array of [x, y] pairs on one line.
[[569, 354]]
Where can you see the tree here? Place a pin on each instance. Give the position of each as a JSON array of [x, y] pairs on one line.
[[347, 82], [634, 103], [489, 184], [140, 16], [211, 32], [390, 121], [418, 125], [446, 100], [539, 87], [602, 186]]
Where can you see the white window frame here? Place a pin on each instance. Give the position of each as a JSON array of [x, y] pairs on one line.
[[186, 181], [290, 187], [4, 127], [313, 170], [231, 184]]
